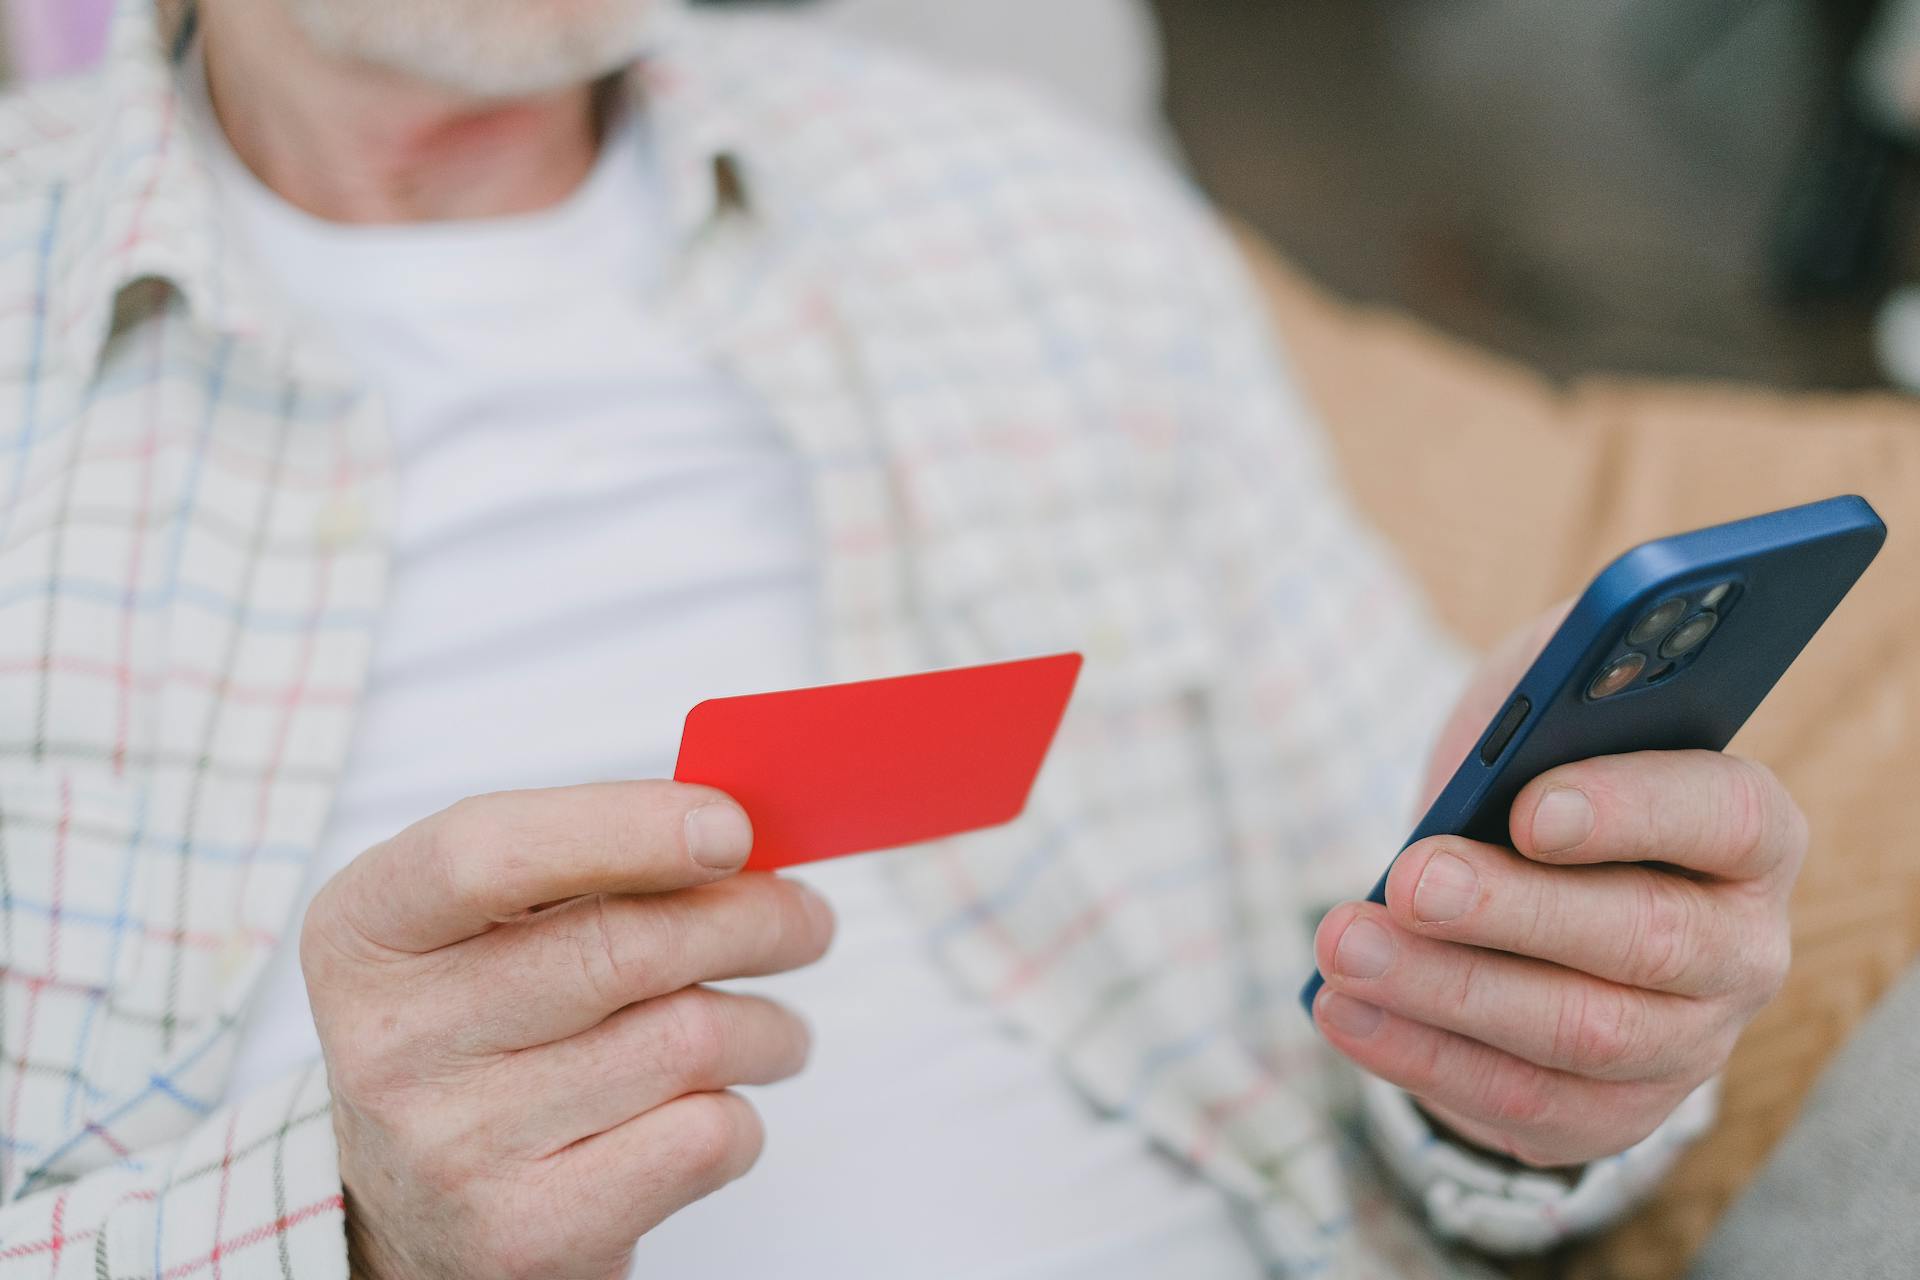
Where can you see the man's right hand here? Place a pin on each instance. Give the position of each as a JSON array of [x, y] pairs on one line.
[[526, 1074]]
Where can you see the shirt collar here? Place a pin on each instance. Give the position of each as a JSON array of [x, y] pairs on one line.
[[140, 203], [685, 85]]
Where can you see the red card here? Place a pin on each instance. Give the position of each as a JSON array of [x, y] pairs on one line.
[[847, 768]]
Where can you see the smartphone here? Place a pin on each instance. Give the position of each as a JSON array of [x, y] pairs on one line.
[[1670, 648]]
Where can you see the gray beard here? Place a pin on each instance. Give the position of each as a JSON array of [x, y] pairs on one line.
[[485, 49]]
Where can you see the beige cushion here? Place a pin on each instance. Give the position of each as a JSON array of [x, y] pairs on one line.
[[1506, 493]]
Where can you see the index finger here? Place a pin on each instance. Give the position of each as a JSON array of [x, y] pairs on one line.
[[490, 859], [1711, 813]]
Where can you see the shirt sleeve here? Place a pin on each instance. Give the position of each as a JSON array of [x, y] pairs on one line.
[[253, 1191], [1342, 680], [1495, 1206]]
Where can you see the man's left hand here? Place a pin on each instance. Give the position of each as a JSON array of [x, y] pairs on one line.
[[1555, 1004]]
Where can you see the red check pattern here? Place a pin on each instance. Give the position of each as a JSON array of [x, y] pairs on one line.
[[1041, 414]]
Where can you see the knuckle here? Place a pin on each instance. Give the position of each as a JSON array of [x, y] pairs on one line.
[[635, 949], [446, 851], [1769, 961], [535, 1246], [1515, 1097], [517, 1260], [719, 1137], [1459, 995], [1661, 945], [1599, 1031], [1798, 834], [664, 935], [425, 1144], [1743, 813], [458, 827], [1539, 910], [443, 1168], [775, 914], [352, 1079], [1784, 822], [335, 935], [1423, 1063], [468, 860], [778, 919], [1798, 830], [437, 1169], [372, 1078], [1430, 1060], [603, 952], [319, 958], [695, 1034]]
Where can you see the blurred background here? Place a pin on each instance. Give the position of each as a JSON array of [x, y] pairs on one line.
[[1714, 188]]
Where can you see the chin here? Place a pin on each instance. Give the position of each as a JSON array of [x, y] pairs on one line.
[[487, 49]]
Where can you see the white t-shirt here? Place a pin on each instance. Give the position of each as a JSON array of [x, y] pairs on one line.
[[597, 529]]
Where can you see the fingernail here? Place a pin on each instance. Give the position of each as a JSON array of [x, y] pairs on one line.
[[1365, 950], [719, 836], [1356, 1018], [1447, 888], [1563, 820]]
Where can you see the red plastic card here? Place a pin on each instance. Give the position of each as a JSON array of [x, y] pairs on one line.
[[848, 768]]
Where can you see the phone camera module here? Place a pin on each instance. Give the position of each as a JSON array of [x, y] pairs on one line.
[[1689, 635], [1617, 676], [1657, 623]]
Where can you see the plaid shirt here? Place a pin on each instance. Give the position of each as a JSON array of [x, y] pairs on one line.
[[1039, 413]]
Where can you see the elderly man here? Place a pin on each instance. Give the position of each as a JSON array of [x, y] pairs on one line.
[[413, 406]]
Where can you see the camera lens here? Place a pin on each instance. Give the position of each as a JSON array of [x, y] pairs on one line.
[[1657, 623], [1617, 677], [1688, 635], [1716, 596]]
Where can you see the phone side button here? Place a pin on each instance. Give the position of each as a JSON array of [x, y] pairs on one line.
[[1504, 728]]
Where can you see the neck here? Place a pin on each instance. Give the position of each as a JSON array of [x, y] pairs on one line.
[[355, 143]]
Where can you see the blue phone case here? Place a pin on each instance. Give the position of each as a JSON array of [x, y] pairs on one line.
[[1787, 570]]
